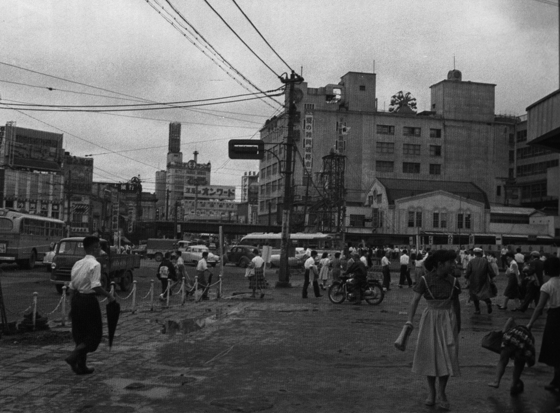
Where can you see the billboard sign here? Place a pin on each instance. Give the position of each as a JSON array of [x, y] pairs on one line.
[[78, 174], [210, 192], [35, 149]]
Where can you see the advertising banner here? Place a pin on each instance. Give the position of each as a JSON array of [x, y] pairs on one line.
[[211, 192]]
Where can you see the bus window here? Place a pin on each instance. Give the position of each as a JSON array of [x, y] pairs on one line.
[[6, 225]]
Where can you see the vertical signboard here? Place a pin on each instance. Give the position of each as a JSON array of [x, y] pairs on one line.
[[308, 141]]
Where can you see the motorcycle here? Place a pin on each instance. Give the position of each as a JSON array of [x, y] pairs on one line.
[[344, 290]]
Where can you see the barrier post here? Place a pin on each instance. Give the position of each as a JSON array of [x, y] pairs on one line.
[[220, 288], [168, 292], [35, 294], [183, 292], [134, 296], [195, 287], [64, 288], [112, 292], [151, 295]]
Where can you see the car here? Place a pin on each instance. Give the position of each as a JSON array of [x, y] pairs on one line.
[[48, 258], [296, 261], [240, 255], [141, 250], [193, 253]]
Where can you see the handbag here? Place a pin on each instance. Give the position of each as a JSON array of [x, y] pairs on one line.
[[402, 340], [493, 341], [249, 272]]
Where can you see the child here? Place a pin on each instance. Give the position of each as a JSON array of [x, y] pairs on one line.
[[518, 344]]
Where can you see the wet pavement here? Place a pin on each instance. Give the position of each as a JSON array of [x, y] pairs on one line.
[[279, 354]]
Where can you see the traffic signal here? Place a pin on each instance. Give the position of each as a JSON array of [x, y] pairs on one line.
[[246, 149], [157, 213]]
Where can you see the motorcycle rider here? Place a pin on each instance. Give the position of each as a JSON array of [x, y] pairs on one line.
[[359, 271]]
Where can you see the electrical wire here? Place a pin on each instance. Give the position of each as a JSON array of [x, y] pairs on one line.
[[133, 109], [218, 59], [262, 37], [172, 104], [239, 37]]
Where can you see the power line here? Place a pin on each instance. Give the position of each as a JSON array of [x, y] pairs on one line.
[[262, 37], [145, 104], [239, 37], [133, 109], [219, 60]]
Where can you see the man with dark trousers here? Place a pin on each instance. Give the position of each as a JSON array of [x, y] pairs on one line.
[[479, 275], [359, 272], [87, 324], [533, 279], [311, 271]]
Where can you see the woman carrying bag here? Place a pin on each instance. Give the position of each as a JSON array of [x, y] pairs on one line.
[[437, 349]]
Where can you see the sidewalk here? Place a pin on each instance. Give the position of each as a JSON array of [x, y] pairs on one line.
[[279, 354]]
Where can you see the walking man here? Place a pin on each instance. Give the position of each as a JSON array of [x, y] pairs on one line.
[[201, 270], [386, 271], [87, 325], [479, 275], [311, 271], [405, 270]]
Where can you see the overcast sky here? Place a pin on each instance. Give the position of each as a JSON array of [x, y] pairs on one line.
[[125, 47]]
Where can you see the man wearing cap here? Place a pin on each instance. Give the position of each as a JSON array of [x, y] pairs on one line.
[[479, 275], [533, 279]]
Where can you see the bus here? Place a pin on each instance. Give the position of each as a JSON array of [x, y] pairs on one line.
[[25, 238], [313, 240]]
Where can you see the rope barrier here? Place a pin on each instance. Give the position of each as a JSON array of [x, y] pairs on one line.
[[134, 301]]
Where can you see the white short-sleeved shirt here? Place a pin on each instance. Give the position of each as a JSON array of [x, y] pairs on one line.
[[310, 264], [86, 275], [258, 261], [364, 260], [385, 261], [552, 288], [405, 259], [202, 265]]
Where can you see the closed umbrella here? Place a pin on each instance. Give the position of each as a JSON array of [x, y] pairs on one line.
[[113, 311]]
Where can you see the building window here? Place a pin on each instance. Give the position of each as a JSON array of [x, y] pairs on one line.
[[377, 218], [435, 150], [435, 169], [435, 220], [411, 149], [385, 147], [443, 220], [384, 166], [385, 130], [498, 190], [309, 106], [512, 156], [275, 169], [435, 133], [411, 168], [521, 136], [414, 219], [370, 200], [536, 168], [357, 220], [464, 220], [362, 87], [410, 131]]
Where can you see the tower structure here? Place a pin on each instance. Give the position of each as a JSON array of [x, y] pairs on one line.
[[330, 209]]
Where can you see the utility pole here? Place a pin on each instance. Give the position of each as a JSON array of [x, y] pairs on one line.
[[284, 273], [68, 195]]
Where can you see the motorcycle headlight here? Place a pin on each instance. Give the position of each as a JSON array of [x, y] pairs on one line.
[[53, 266]]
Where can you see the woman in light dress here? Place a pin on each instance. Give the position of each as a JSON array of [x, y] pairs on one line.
[[325, 270], [437, 348]]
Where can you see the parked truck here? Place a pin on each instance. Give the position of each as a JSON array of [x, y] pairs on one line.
[[114, 266], [157, 247]]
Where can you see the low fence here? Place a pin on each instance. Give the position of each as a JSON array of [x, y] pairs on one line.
[[176, 294]]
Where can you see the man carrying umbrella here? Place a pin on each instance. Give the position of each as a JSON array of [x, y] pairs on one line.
[[87, 325]]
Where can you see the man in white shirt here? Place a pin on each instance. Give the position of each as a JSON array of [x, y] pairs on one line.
[[201, 270], [386, 271], [405, 270], [503, 257], [311, 271], [87, 324], [520, 258]]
